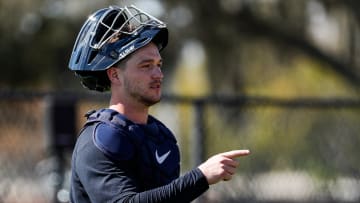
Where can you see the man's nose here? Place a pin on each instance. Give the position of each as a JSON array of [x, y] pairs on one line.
[[157, 73]]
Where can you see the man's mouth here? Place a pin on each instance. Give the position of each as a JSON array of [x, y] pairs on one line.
[[155, 85]]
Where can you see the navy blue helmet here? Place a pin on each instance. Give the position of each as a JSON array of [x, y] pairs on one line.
[[107, 37]]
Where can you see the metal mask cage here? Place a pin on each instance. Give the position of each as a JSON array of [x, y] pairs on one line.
[[118, 21]]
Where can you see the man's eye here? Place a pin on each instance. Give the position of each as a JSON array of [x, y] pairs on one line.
[[145, 66]]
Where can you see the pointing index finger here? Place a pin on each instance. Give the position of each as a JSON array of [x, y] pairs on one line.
[[236, 153]]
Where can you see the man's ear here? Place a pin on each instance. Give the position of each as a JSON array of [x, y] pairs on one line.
[[113, 74]]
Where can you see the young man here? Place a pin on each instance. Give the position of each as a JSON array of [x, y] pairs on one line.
[[123, 154]]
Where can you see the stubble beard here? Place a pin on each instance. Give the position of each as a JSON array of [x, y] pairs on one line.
[[146, 100], [139, 95]]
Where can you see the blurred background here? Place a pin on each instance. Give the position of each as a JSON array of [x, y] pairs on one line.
[[278, 77]]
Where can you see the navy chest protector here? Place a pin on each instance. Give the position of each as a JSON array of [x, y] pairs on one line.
[[152, 148]]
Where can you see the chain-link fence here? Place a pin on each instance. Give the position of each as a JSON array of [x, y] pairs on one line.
[[302, 150]]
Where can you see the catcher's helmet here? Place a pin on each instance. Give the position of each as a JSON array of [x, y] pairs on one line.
[[108, 36]]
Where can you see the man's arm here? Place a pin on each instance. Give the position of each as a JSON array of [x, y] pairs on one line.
[[107, 181], [183, 189]]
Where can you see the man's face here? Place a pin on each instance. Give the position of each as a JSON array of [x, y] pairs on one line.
[[142, 76]]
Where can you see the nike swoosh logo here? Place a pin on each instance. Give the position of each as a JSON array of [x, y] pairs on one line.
[[161, 159]]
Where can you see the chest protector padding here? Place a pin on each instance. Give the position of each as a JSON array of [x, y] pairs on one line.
[[152, 148]]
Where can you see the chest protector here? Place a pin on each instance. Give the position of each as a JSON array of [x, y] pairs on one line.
[[150, 148]]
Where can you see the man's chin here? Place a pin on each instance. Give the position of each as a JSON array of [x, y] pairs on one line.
[[150, 102]]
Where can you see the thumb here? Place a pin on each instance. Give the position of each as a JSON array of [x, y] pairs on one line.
[[236, 153]]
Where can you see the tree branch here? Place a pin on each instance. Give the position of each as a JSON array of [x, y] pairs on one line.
[[261, 28]]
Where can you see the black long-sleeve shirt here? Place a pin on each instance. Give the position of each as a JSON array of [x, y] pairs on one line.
[[109, 166]]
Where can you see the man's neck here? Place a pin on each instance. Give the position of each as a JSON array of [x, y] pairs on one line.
[[132, 112]]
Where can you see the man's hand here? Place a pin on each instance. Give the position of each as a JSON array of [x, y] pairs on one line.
[[221, 166]]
